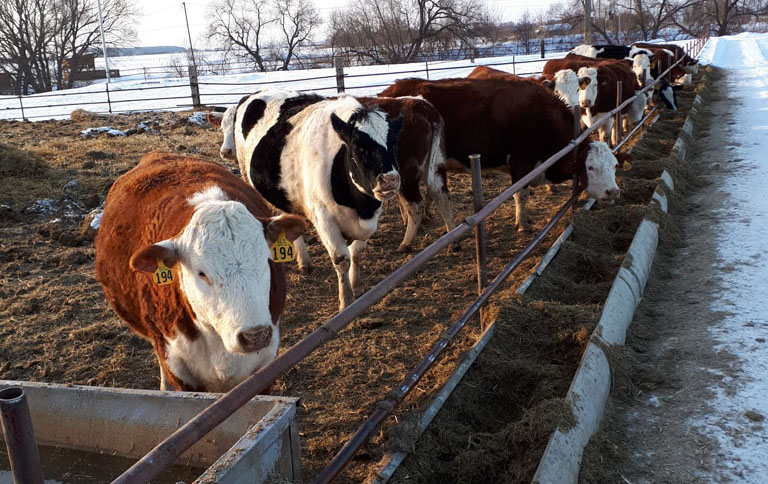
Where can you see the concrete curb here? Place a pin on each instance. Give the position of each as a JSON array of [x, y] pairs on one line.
[[592, 383]]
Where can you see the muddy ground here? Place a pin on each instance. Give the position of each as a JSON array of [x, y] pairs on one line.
[[55, 325]]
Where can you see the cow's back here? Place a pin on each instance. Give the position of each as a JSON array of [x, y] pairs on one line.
[[495, 118], [146, 205]]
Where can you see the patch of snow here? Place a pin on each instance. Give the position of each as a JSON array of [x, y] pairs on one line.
[[654, 401], [96, 222], [743, 273], [199, 118], [103, 129]]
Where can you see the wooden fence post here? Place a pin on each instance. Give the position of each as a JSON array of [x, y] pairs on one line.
[[619, 130], [426, 66], [477, 199], [21, 103], [109, 101], [513, 65], [194, 86], [339, 74]]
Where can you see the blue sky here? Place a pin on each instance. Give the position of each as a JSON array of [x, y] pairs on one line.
[[162, 21]]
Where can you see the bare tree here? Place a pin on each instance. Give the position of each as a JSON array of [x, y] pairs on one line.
[[399, 30], [36, 36], [296, 20], [524, 30], [240, 26]]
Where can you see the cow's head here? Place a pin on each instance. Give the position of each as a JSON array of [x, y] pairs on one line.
[[598, 171], [666, 92], [226, 123], [690, 65], [221, 260], [567, 85], [641, 66], [588, 89], [371, 143]]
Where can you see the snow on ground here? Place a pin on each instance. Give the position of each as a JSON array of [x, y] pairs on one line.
[[134, 93], [741, 248]]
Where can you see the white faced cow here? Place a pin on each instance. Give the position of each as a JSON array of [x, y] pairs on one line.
[[333, 160], [216, 321]]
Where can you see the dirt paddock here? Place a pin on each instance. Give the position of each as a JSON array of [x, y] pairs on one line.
[[55, 325]]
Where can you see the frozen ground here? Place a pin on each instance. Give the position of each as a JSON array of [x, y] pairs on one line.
[[743, 274], [695, 406]]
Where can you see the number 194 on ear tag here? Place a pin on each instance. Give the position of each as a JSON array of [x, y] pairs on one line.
[[163, 275], [282, 250]]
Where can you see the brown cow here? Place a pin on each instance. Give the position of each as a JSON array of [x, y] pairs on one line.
[[513, 125], [565, 83], [212, 313], [420, 160]]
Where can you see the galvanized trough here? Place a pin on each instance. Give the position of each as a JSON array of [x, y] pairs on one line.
[[258, 441]]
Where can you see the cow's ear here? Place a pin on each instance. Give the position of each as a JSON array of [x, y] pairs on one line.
[[145, 259], [215, 119], [548, 84], [343, 129], [294, 227], [393, 135]]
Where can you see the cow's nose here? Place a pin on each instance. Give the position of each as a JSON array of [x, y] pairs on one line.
[[389, 181], [226, 153], [255, 339], [586, 103], [612, 194]]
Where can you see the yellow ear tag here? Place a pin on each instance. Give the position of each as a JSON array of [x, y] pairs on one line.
[[583, 86], [163, 275], [282, 250], [627, 166]]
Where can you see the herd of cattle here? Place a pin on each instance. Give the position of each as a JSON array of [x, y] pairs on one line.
[[183, 250]]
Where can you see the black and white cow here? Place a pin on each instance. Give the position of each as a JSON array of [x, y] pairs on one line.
[[332, 160]]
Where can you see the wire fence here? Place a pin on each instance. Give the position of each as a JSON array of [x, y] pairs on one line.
[[200, 89], [195, 429]]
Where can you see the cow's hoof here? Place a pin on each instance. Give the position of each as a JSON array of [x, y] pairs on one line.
[[525, 229], [305, 270], [404, 248]]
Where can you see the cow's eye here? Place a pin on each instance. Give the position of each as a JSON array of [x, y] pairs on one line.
[[202, 276], [590, 168]]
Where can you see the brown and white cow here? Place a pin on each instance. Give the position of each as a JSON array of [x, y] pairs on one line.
[[216, 321], [420, 160], [565, 83], [689, 65], [514, 126]]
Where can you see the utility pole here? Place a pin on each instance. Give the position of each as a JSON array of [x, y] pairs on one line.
[[184, 4], [103, 42], [588, 21]]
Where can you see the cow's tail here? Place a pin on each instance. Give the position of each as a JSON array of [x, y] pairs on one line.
[[436, 169]]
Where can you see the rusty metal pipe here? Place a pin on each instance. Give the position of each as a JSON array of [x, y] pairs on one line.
[[20, 437], [396, 395]]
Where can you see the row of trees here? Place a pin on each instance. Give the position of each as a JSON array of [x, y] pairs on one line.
[[37, 36]]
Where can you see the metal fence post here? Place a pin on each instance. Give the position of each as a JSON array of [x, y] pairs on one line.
[[477, 199], [21, 103], [426, 66], [513, 66], [145, 73], [339, 74], [194, 86], [109, 102], [20, 437], [541, 45], [619, 131]]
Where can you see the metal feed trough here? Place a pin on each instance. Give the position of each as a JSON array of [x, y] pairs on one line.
[[260, 440]]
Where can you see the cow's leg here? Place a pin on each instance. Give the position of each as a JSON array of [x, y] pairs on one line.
[[302, 255], [165, 385], [521, 213], [438, 190], [336, 245], [402, 204], [415, 211], [356, 250]]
